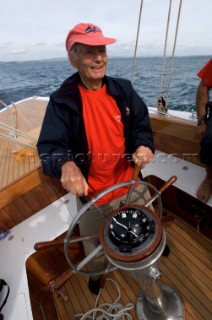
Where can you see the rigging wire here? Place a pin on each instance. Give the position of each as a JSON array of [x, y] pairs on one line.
[[173, 52], [14, 140], [17, 131], [165, 47], [137, 37]]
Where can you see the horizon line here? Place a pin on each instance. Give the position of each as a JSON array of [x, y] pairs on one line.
[[112, 57]]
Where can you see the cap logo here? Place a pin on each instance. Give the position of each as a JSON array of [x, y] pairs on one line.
[[88, 34], [94, 29]]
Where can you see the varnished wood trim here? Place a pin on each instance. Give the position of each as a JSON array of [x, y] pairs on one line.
[[21, 186]]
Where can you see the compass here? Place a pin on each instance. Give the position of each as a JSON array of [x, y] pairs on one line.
[[131, 233], [130, 226]]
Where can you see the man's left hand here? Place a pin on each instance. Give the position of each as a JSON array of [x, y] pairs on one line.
[[142, 156]]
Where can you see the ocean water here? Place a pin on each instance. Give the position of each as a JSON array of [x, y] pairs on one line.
[[19, 80]]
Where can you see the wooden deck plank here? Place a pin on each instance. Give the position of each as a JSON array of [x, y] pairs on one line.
[[191, 303], [186, 266], [199, 260], [188, 305], [73, 297], [60, 307], [200, 239], [80, 294], [187, 229], [68, 306], [83, 281], [130, 291], [189, 281]]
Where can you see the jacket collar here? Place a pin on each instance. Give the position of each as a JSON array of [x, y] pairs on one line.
[[69, 94]]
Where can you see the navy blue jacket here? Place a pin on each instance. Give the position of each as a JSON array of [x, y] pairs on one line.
[[63, 136]]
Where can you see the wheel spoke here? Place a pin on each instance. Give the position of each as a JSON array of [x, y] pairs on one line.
[[78, 239], [89, 257], [129, 194]]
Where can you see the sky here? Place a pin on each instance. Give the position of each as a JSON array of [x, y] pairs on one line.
[[37, 29]]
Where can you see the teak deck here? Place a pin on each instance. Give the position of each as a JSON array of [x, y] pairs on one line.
[[21, 179], [187, 270], [27, 117]]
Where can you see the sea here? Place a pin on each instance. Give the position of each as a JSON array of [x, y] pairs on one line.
[[20, 80]]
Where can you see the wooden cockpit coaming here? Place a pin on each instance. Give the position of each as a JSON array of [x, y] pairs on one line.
[[25, 197], [178, 137]]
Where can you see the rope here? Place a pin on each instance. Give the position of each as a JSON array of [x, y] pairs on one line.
[[108, 311], [136, 45], [165, 47], [14, 140], [173, 52], [19, 132]]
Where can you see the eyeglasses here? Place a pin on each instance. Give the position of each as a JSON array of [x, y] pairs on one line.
[[89, 29]]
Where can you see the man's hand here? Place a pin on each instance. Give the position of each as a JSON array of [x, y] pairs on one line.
[[142, 156], [72, 179]]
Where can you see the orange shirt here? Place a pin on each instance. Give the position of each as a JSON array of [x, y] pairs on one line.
[[206, 73], [105, 136]]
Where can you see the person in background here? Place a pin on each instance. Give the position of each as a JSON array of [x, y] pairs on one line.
[[94, 128], [204, 116]]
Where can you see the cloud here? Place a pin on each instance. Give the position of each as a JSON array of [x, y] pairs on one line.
[[41, 44], [19, 51], [26, 25], [59, 44]]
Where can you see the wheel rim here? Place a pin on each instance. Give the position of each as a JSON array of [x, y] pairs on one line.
[[102, 248]]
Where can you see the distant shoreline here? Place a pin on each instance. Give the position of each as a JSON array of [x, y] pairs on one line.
[[110, 58]]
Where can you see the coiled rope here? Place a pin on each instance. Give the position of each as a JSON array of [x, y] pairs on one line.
[[106, 311]]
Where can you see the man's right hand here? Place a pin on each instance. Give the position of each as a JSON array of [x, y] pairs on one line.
[[72, 179]]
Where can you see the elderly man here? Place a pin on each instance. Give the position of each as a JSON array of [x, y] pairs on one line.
[[94, 128]]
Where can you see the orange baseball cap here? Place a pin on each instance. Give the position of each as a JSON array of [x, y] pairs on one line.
[[87, 33]]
